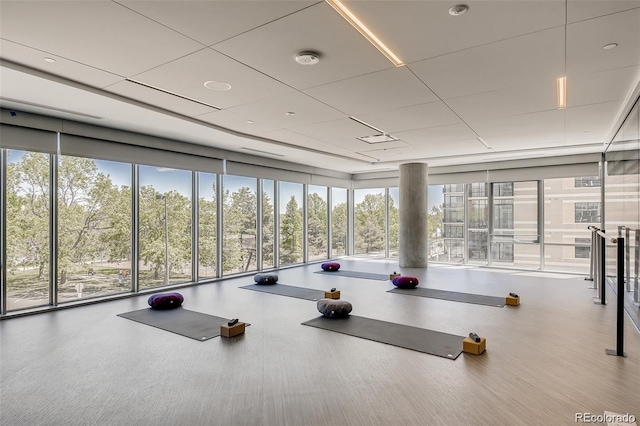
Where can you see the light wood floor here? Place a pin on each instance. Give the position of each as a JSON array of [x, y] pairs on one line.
[[545, 359]]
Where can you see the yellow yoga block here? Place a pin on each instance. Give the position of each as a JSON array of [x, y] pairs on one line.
[[513, 301], [332, 294], [472, 347], [231, 331]]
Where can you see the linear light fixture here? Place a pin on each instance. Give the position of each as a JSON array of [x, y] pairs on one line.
[[562, 92], [357, 120], [366, 32]]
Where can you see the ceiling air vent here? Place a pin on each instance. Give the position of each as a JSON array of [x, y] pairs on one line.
[[170, 93], [378, 139]]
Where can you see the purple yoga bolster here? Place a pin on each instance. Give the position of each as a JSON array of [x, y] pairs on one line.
[[165, 301], [330, 266], [405, 282]]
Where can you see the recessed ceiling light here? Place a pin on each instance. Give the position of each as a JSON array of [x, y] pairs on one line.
[[458, 10], [308, 58], [249, 121], [220, 86], [50, 60], [610, 46], [289, 113]]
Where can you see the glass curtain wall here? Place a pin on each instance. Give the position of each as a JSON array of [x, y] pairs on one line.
[[94, 228], [478, 223], [622, 206], [207, 225], [291, 221], [338, 222], [239, 218], [515, 240], [570, 206], [28, 231], [370, 220], [394, 222], [435, 224], [164, 226], [268, 221], [317, 222]]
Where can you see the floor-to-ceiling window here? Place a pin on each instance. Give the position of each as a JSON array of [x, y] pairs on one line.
[[394, 221], [291, 223], [435, 224], [164, 226], [268, 221], [338, 222], [239, 218], [207, 225], [515, 240], [94, 228], [477, 222], [28, 231], [570, 206], [453, 223], [317, 222], [370, 212]]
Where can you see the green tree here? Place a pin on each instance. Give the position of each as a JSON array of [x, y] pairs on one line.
[[240, 226], [267, 230], [291, 233], [394, 225], [207, 231], [28, 214], [316, 225], [370, 224], [339, 229]]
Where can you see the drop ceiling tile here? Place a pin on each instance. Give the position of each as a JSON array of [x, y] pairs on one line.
[[580, 10], [213, 21], [273, 110], [271, 48], [596, 118], [186, 76], [236, 122], [516, 124], [100, 34], [598, 87], [434, 136], [585, 42], [378, 91], [435, 32], [494, 66], [159, 99], [422, 116], [534, 97], [65, 68]]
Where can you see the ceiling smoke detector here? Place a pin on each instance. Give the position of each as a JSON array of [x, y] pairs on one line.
[[458, 9], [308, 58]]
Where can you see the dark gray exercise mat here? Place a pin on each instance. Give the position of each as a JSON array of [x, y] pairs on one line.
[[432, 293], [356, 274], [288, 290], [195, 325], [405, 336]]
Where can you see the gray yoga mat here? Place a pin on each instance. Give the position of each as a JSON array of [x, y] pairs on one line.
[[453, 296], [405, 336], [195, 325], [288, 290], [356, 274]]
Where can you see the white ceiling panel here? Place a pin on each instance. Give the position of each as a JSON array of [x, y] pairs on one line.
[[592, 118], [186, 76], [163, 100], [580, 10], [586, 39], [441, 135], [63, 67], [273, 110], [537, 96], [436, 32], [378, 91], [414, 117], [499, 65], [551, 121], [598, 87], [336, 131], [101, 34], [272, 48], [236, 122], [210, 22]]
